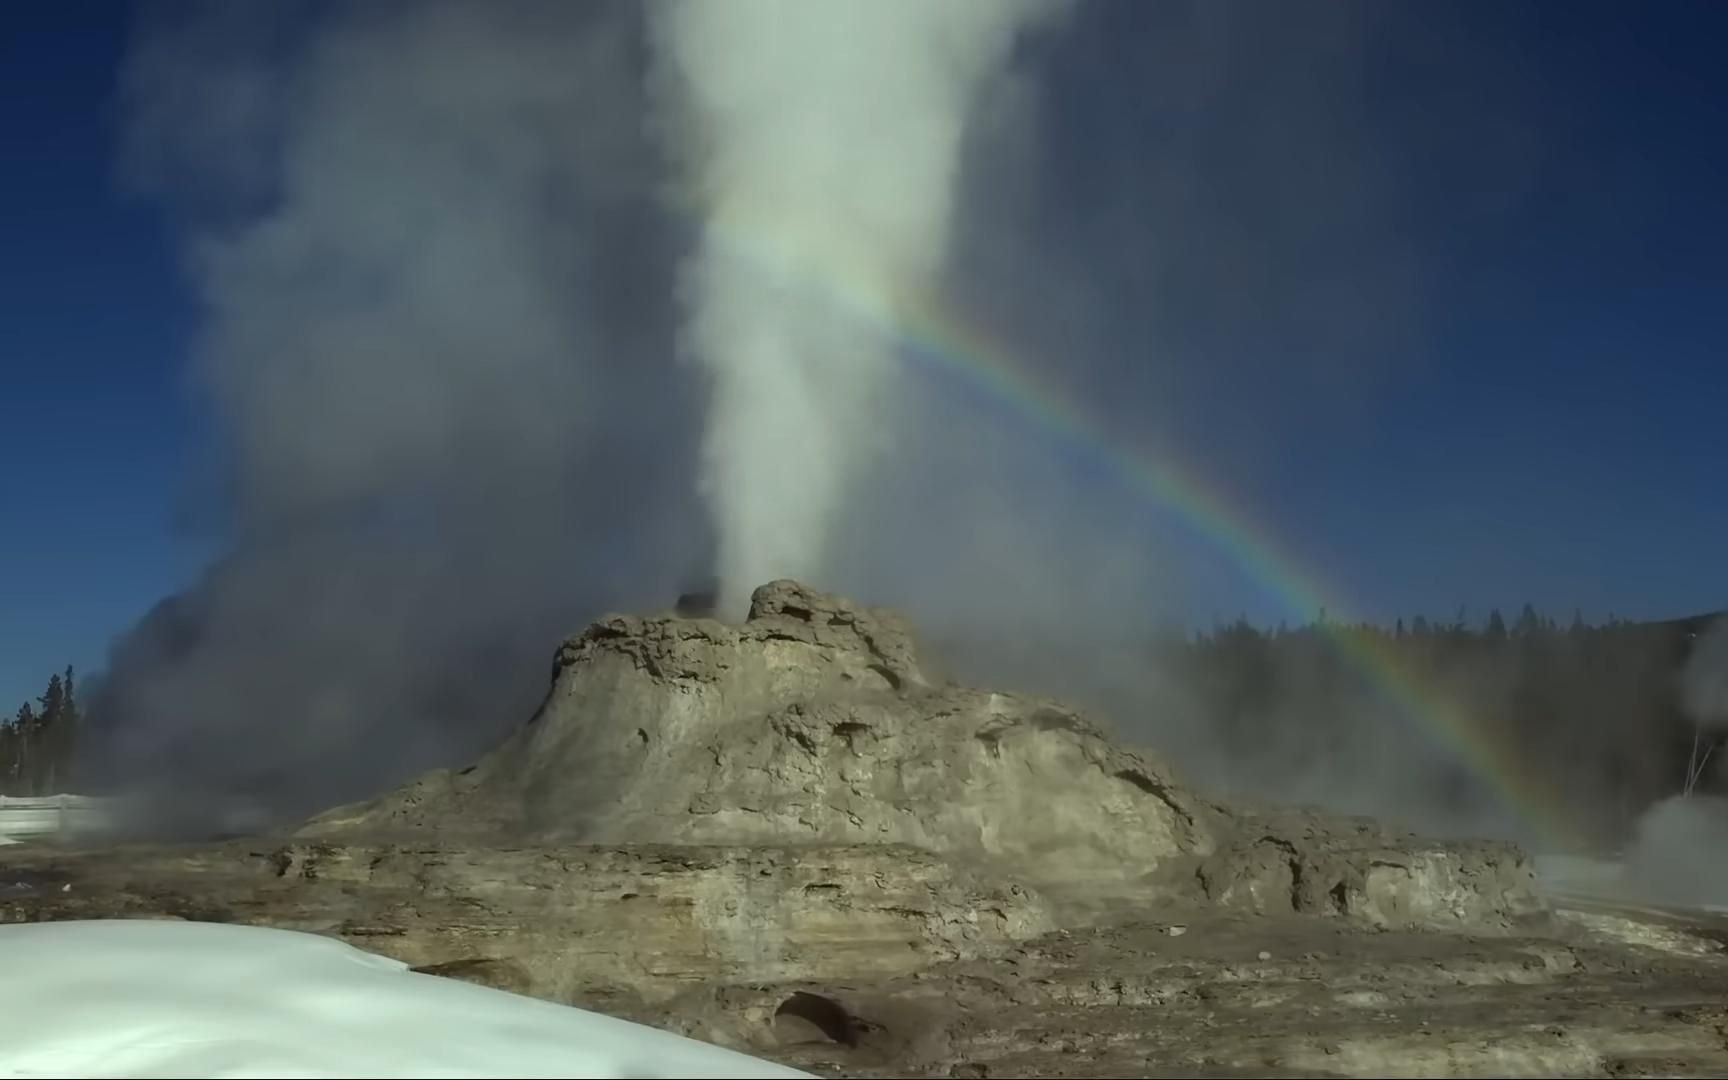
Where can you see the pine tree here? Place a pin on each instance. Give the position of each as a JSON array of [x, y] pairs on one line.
[[53, 700], [66, 738], [45, 758], [36, 747], [1529, 625], [24, 727], [1496, 630]]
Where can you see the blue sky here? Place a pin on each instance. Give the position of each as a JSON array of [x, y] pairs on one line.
[[93, 329], [1514, 393]]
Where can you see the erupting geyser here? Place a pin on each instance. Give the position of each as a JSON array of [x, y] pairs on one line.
[[818, 143]]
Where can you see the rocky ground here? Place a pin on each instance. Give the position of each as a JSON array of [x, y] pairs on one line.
[[787, 837], [894, 965]]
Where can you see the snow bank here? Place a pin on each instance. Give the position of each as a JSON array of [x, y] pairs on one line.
[[50, 815], [134, 998]]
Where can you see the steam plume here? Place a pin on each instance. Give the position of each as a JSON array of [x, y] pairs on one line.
[[431, 284], [1704, 681], [821, 142], [434, 267]]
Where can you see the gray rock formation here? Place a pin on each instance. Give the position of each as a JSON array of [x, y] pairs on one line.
[[568, 923], [817, 722], [1292, 862], [811, 723]]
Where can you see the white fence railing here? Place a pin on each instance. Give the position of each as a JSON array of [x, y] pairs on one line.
[[48, 817]]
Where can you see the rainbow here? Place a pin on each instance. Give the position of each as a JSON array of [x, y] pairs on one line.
[[936, 334], [932, 332]]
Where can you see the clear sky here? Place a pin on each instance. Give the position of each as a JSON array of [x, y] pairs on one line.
[[1507, 223], [94, 326]]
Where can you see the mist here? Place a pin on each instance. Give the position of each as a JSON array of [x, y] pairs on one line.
[[1704, 679], [435, 357], [1675, 855], [481, 362], [516, 313], [821, 146]]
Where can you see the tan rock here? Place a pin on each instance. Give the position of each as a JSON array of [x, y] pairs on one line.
[[812, 722]]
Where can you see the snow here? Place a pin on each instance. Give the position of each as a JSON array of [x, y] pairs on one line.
[[143, 998], [44, 815]]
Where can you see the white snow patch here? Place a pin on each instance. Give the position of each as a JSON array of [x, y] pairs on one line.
[[140, 998], [47, 815]]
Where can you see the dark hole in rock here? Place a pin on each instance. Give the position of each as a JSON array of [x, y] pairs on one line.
[[807, 1017], [1139, 780], [1340, 897], [888, 676], [699, 603], [1051, 720]]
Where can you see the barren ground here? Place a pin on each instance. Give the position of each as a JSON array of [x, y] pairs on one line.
[[1593, 990]]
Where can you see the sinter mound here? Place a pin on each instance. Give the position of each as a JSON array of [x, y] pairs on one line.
[[790, 838], [814, 723]]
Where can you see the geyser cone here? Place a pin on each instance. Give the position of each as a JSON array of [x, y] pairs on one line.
[[812, 722]]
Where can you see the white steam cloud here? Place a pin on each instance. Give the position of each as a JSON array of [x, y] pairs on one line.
[[437, 274], [437, 279], [431, 283], [823, 146]]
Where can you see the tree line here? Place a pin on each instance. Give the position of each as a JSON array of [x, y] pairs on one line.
[[38, 744], [1585, 719]]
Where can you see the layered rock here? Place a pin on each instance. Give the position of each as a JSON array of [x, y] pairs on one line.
[[1292, 862], [565, 923], [816, 722], [876, 960], [811, 723]]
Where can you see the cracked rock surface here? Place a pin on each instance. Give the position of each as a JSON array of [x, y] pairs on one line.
[[884, 961]]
